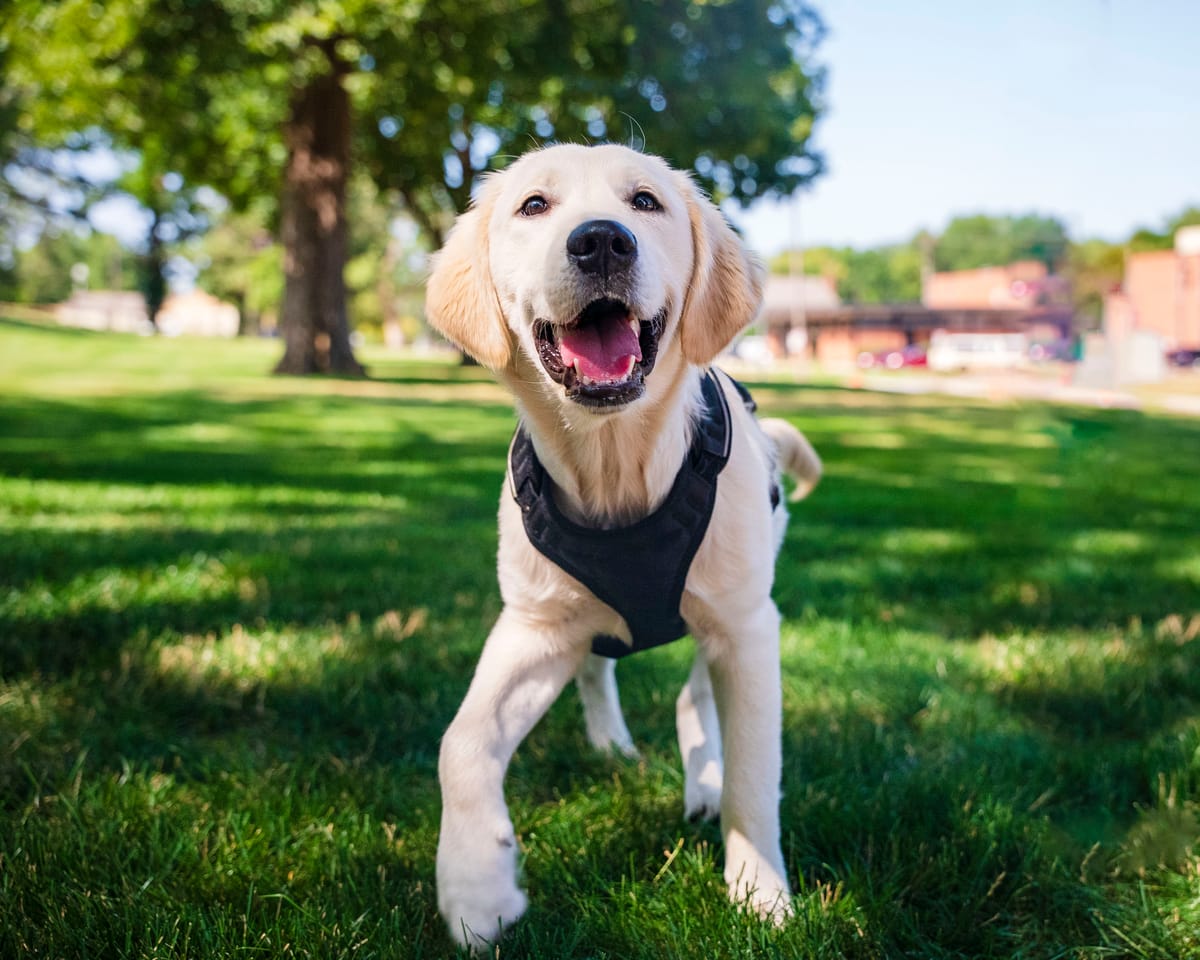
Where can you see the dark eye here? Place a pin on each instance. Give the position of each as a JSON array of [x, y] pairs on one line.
[[534, 206], [645, 202]]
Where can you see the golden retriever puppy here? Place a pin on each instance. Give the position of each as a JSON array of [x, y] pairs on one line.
[[641, 503]]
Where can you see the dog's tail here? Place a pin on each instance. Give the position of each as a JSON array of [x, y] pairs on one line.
[[797, 458]]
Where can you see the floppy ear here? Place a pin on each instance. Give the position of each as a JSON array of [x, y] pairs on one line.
[[726, 287], [460, 301]]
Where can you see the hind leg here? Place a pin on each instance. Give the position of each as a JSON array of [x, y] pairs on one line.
[[699, 744], [597, 683]]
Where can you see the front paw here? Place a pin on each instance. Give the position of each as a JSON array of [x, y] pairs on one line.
[[772, 902], [478, 916], [757, 885], [476, 884]]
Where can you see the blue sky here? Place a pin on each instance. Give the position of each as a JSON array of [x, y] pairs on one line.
[[1085, 109]]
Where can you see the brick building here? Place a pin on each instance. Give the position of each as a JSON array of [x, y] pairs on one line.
[[1019, 298], [1161, 293], [1024, 285]]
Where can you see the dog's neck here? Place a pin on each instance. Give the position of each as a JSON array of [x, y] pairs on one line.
[[611, 469]]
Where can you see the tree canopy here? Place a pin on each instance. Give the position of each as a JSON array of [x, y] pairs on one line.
[[1145, 238], [438, 89], [283, 99], [892, 273], [987, 241], [886, 274]]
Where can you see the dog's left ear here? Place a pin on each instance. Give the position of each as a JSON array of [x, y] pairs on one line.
[[726, 288], [460, 300]]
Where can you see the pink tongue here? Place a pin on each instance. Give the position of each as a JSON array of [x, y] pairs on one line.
[[602, 348]]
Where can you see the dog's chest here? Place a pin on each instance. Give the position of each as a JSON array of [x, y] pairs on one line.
[[639, 570]]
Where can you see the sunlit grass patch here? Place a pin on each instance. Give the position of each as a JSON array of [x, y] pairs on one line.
[[237, 613], [924, 541]]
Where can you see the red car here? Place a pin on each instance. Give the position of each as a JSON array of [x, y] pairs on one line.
[[910, 356]]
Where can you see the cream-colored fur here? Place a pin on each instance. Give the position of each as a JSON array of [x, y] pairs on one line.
[[501, 272]]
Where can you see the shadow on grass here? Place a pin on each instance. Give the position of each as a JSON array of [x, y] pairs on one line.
[[989, 520], [192, 438], [955, 815], [139, 533], [185, 514]]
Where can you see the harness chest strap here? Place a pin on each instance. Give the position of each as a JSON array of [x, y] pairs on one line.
[[639, 570]]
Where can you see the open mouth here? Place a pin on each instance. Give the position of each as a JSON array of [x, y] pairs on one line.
[[603, 356]]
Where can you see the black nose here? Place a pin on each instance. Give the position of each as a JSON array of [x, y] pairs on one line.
[[602, 246]]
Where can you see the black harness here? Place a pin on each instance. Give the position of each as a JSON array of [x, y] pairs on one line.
[[639, 570]]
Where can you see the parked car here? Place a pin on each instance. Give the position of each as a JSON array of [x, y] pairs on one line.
[[1184, 357], [952, 350], [910, 356]]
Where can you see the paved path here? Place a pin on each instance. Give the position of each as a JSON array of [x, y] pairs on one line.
[[1009, 386]]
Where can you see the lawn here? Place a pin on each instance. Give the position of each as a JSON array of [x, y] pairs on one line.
[[237, 612]]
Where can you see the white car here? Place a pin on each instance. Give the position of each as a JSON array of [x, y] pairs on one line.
[[976, 351]]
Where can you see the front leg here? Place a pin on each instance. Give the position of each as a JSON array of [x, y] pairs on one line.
[[744, 667], [520, 673]]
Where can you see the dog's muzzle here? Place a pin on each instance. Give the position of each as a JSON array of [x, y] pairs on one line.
[[602, 355]]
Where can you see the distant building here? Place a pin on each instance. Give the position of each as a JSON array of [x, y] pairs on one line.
[[1156, 310], [788, 294], [1161, 294], [197, 314], [787, 300], [194, 313], [116, 311], [1024, 285], [1022, 298]]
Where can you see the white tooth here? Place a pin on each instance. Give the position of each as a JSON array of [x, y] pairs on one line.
[[635, 325], [575, 364], [629, 369]]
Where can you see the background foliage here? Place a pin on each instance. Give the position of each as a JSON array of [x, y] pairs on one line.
[[892, 273], [439, 93], [432, 94]]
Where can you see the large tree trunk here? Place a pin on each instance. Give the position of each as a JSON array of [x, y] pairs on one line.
[[313, 314]]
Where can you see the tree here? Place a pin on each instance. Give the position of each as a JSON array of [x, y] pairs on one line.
[[44, 200], [726, 89], [887, 274], [986, 241], [48, 270], [1145, 239], [820, 261], [890, 274], [240, 261], [384, 245], [41, 189], [176, 211], [43, 270], [1095, 269], [266, 95], [51, 181]]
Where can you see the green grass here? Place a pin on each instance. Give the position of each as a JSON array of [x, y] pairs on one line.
[[237, 612]]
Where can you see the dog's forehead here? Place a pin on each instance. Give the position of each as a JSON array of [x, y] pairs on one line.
[[571, 170]]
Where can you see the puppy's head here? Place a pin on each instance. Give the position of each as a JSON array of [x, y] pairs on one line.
[[591, 262]]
